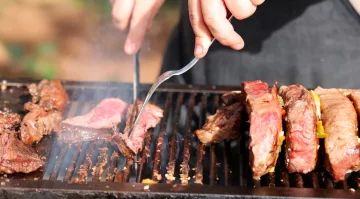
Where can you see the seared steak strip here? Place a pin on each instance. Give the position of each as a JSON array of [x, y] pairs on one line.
[[223, 125], [16, 157], [38, 123], [341, 125], [301, 140], [265, 114], [151, 116]]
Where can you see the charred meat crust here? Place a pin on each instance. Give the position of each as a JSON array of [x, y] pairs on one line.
[[38, 123], [17, 157], [49, 94], [265, 114], [341, 125], [301, 139], [223, 125], [9, 121]]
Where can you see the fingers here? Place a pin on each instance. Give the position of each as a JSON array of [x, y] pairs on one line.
[[154, 12], [203, 36], [143, 11], [241, 9], [257, 2], [214, 13], [121, 13]]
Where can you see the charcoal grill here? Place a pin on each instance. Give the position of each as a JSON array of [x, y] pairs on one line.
[[187, 168]]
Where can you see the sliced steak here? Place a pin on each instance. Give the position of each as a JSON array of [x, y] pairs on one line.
[[16, 157], [9, 121], [38, 123], [265, 114], [341, 125], [301, 139], [223, 125], [49, 94], [149, 119], [96, 124]]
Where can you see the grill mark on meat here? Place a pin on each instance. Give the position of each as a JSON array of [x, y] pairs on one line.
[[9, 121], [301, 139], [17, 157], [265, 115], [96, 124], [38, 123], [341, 124], [223, 125]]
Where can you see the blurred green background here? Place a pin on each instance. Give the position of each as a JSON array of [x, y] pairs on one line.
[[75, 40]]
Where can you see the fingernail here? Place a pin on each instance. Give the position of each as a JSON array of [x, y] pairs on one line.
[[238, 46], [198, 50]]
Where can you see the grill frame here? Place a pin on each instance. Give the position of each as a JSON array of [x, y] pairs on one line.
[[19, 188]]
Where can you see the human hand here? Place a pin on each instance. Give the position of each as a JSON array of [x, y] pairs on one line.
[[134, 17], [208, 20]]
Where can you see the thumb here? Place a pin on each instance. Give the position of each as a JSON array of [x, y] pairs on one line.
[[203, 36]]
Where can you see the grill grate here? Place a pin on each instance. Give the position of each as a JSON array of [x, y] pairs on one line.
[[172, 155]]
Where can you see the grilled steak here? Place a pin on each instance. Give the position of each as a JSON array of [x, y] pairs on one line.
[[341, 125], [149, 119], [38, 123], [355, 98], [224, 125], [95, 124], [265, 115], [9, 121], [231, 97], [49, 94], [16, 157], [301, 140]]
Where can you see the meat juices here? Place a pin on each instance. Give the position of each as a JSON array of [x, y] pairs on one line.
[[9, 121], [265, 114], [301, 139], [341, 124], [38, 123], [96, 124], [224, 125], [149, 119], [16, 157], [49, 94]]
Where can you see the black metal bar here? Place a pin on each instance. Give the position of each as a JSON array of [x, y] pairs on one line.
[[59, 161], [160, 140], [184, 167], [213, 167], [173, 143], [112, 170], [70, 170]]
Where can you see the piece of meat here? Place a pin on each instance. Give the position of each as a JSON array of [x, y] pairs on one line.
[[355, 98], [231, 97], [16, 157], [340, 123], [38, 123], [149, 119], [96, 124], [9, 121], [223, 125], [301, 140], [265, 114], [49, 94], [103, 116]]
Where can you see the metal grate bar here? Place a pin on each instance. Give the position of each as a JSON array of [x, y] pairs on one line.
[[112, 169], [160, 140], [213, 163], [170, 175], [184, 167]]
